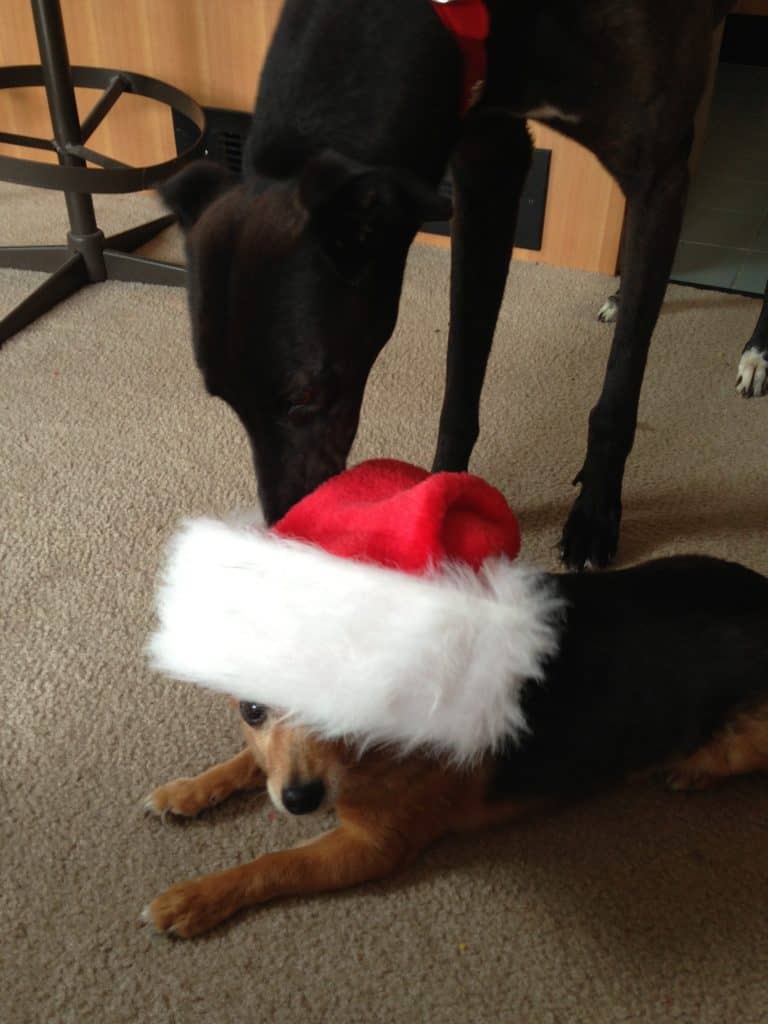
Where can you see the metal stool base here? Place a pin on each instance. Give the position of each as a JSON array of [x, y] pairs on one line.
[[76, 265], [88, 256]]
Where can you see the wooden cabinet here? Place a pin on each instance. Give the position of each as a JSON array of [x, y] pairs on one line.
[[585, 208]]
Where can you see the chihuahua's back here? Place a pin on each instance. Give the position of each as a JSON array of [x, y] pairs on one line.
[[653, 660]]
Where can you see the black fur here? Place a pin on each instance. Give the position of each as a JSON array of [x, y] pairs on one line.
[[748, 383], [653, 661], [296, 276]]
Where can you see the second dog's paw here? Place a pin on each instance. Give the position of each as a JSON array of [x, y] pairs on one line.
[[591, 533], [183, 911], [753, 374], [183, 797], [609, 310]]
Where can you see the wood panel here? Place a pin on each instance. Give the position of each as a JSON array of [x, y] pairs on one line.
[[214, 50], [585, 208]]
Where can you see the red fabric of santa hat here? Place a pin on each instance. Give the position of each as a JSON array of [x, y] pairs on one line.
[[386, 607]]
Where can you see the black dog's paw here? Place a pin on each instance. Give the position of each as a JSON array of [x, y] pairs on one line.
[[591, 533], [609, 310], [753, 373]]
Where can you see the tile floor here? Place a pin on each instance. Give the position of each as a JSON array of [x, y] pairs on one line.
[[724, 241]]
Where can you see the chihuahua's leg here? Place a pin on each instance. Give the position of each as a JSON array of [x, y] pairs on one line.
[[338, 859], [188, 797], [489, 170], [738, 749]]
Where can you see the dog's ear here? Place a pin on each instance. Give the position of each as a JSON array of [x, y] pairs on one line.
[[359, 211], [190, 192]]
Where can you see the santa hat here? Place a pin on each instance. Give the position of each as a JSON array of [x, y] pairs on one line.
[[383, 608]]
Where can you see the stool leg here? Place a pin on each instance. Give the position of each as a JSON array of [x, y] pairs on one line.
[[60, 93], [134, 238], [34, 257], [68, 279], [121, 266]]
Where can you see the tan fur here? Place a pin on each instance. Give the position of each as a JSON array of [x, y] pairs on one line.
[[739, 748], [187, 797], [388, 809]]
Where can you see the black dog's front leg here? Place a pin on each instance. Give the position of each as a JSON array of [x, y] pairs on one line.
[[753, 366], [489, 170], [654, 215]]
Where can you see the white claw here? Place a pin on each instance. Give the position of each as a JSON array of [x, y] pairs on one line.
[[150, 807], [609, 310], [753, 374]]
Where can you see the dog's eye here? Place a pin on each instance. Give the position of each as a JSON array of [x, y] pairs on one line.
[[253, 714]]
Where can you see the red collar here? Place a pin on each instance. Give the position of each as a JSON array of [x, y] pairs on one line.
[[469, 22]]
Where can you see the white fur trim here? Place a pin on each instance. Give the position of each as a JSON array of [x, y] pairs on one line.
[[352, 649]]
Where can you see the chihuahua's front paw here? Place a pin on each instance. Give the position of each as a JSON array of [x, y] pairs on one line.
[[185, 910], [185, 797]]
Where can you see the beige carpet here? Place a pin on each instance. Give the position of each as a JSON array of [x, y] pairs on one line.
[[636, 907]]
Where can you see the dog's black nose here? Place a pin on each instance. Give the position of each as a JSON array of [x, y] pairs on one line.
[[303, 799]]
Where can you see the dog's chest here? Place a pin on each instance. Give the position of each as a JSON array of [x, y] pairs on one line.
[[546, 111]]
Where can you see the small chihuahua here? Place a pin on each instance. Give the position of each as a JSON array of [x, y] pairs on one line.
[[662, 667]]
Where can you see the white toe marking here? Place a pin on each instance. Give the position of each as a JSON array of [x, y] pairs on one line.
[[753, 374], [609, 310], [549, 112], [150, 807]]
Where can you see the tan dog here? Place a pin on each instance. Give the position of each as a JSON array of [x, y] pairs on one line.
[[388, 808], [465, 693]]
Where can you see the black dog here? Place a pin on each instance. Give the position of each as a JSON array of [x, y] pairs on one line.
[[295, 275]]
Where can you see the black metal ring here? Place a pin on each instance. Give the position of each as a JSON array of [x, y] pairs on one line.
[[97, 179]]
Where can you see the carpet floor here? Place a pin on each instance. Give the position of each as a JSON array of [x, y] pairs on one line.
[[637, 906]]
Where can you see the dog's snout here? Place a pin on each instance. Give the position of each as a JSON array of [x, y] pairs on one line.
[[303, 799]]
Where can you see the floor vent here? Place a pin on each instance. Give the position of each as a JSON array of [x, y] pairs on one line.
[[227, 130], [533, 203], [224, 139]]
